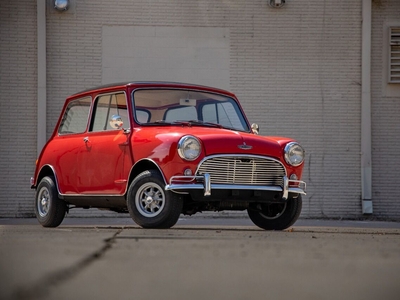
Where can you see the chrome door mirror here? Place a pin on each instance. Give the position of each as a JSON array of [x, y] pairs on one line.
[[116, 122], [255, 128]]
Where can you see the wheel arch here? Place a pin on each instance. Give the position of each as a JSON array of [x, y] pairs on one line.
[[143, 165], [47, 170]]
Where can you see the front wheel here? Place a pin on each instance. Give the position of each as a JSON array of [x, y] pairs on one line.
[[276, 216], [49, 209], [149, 205]]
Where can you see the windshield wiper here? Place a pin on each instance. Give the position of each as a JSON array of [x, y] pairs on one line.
[[163, 122], [209, 124], [158, 122], [187, 123]]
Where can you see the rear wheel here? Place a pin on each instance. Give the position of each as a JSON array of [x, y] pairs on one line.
[[149, 205], [49, 209], [276, 216]]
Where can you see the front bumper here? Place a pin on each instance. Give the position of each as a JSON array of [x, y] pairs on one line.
[[203, 182]]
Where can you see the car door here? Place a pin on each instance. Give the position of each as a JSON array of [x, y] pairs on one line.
[[66, 146], [105, 160]]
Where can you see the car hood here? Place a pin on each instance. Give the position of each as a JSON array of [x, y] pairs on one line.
[[224, 141], [240, 142]]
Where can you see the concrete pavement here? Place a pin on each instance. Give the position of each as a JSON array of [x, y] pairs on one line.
[[209, 219], [199, 259]]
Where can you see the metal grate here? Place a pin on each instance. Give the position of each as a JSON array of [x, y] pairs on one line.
[[394, 55], [243, 170]]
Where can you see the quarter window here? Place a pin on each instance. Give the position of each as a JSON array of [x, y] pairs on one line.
[[76, 116]]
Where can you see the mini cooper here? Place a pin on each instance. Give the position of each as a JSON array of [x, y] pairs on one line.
[[158, 150]]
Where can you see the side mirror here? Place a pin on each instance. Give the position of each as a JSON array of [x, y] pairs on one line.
[[116, 122], [255, 128]]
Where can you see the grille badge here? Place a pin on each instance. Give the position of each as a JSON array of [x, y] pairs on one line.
[[245, 147]]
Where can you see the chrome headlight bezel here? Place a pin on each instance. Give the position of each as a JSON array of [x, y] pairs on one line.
[[294, 154], [189, 148]]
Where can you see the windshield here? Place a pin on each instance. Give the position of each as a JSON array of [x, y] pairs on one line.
[[189, 107]]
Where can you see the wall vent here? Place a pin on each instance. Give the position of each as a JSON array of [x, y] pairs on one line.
[[394, 55]]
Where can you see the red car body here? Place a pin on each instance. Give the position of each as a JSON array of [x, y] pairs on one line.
[[96, 159]]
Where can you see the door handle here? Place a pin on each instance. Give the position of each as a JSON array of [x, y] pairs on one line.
[[86, 139]]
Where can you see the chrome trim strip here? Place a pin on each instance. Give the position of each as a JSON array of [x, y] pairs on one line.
[[153, 162], [91, 195], [199, 186], [239, 155], [54, 173], [207, 186], [100, 195]]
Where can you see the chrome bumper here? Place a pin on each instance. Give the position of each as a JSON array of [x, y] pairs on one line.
[[203, 182]]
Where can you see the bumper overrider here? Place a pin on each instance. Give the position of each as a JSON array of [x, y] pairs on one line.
[[203, 182]]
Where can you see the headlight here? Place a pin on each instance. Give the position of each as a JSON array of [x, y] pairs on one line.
[[189, 147], [294, 154]]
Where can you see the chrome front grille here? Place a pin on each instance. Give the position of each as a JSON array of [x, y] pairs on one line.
[[244, 170]]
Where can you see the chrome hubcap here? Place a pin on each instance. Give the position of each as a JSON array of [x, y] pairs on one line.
[[43, 203], [150, 200]]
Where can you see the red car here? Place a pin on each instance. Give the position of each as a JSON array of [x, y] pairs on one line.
[[159, 150]]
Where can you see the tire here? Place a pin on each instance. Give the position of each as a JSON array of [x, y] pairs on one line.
[[276, 216], [149, 205], [49, 209]]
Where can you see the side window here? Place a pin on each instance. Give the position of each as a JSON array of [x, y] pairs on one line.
[[76, 116], [108, 107]]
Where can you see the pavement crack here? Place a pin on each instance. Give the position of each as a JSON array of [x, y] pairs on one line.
[[42, 287]]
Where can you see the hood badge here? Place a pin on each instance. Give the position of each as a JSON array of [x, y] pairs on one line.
[[245, 147]]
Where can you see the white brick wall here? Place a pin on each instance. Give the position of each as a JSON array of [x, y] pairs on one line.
[[18, 97], [385, 115], [158, 53], [296, 70]]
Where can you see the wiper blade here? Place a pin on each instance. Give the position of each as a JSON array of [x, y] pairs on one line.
[[209, 124], [163, 122], [186, 123], [158, 122]]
